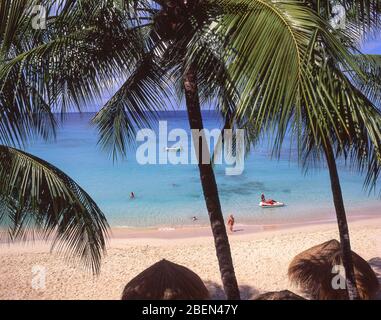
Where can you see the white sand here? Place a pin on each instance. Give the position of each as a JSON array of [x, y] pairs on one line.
[[260, 259]]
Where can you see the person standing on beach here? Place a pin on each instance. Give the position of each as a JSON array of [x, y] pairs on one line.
[[230, 223]]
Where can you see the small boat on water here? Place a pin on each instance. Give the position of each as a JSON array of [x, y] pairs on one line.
[[173, 149], [268, 204]]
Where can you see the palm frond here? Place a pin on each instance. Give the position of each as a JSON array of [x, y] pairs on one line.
[[371, 85], [78, 56], [25, 111], [306, 89], [39, 200], [133, 106], [356, 136], [271, 42], [362, 17]]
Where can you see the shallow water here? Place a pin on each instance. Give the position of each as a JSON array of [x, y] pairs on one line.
[[169, 195]]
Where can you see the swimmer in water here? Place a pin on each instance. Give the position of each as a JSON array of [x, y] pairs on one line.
[[194, 218], [132, 195]]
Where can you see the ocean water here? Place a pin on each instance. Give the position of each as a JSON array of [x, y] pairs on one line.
[[169, 195]]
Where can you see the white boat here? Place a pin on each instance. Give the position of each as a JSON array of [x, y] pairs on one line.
[[276, 204], [173, 149]]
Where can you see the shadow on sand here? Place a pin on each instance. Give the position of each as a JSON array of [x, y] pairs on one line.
[[217, 292], [248, 292], [375, 263]]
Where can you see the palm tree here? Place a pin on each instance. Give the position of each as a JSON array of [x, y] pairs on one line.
[[175, 27], [358, 142], [358, 135], [262, 59], [332, 115], [36, 198]]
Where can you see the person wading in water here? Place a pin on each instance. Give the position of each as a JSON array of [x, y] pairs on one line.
[[230, 223]]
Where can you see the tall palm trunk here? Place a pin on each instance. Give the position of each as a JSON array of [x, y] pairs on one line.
[[346, 254], [209, 188]]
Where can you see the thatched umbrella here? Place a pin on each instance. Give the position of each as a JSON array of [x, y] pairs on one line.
[[279, 295], [313, 271], [166, 280]]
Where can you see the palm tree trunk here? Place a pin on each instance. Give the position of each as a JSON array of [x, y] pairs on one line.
[[209, 188], [346, 254]]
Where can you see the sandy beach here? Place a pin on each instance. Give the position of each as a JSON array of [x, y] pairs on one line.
[[261, 257]]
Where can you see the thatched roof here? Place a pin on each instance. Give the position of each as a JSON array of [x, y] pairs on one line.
[[165, 280], [279, 295], [312, 271]]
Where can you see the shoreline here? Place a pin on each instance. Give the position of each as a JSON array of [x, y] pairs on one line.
[[199, 234], [198, 230], [117, 233]]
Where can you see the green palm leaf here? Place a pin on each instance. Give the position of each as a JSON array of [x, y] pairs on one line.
[[133, 106], [38, 199], [371, 85]]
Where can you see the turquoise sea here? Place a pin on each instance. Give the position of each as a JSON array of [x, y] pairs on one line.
[[169, 195]]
